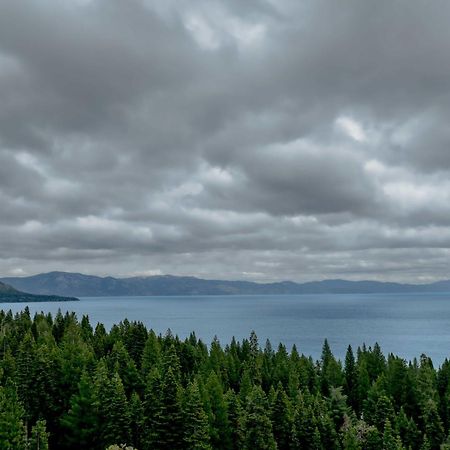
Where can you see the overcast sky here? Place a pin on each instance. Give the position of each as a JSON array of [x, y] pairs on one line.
[[256, 139]]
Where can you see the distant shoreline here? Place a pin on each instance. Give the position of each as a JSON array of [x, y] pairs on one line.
[[31, 298]]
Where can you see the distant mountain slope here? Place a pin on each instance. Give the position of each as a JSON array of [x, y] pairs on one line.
[[75, 284], [6, 289], [10, 295]]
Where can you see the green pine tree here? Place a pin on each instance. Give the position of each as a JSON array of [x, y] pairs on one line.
[[196, 432], [426, 445], [169, 431], [218, 415], [304, 425], [350, 440], [112, 407], [362, 384], [330, 370], [25, 366], [234, 414], [151, 354], [39, 437], [81, 423], [350, 378], [136, 420], [281, 416], [152, 406], [12, 429], [256, 426], [433, 429], [390, 439]]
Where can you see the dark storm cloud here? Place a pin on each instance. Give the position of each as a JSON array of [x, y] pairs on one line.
[[260, 139]]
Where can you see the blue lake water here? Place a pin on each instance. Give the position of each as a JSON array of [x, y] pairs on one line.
[[404, 324]]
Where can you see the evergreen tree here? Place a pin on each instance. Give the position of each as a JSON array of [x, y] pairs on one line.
[[119, 422], [281, 366], [25, 367], [87, 332], [234, 415], [383, 411], [136, 420], [363, 384], [120, 361], [7, 367], [75, 356], [304, 426], [46, 380], [425, 444], [350, 378], [12, 429], [376, 362], [281, 416], [390, 439], [246, 386], [378, 407], [394, 379], [81, 423], [255, 424], [426, 383], [169, 431], [100, 340], [216, 357], [39, 437], [338, 407], [350, 440], [135, 338], [326, 427], [330, 370], [373, 440], [196, 422], [152, 406], [254, 359], [218, 417], [407, 430], [433, 429], [112, 408], [267, 366]]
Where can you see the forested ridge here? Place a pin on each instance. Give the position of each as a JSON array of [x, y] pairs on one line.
[[10, 295], [65, 385]]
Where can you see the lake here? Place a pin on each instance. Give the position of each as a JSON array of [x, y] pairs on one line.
[[405, 324]]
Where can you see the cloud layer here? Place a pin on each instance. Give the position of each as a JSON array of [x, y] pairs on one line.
[[254, 140]]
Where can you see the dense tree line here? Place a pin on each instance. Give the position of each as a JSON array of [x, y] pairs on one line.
[[65, 385]]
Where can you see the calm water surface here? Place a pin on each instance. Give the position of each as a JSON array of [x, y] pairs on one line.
[[405, 324]]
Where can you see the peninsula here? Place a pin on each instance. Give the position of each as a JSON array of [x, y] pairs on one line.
[[8, 294]]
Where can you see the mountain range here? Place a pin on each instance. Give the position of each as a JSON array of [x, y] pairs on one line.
[[10, 295], [79, 285]]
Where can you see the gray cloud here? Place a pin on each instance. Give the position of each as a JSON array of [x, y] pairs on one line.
[[265, 140]]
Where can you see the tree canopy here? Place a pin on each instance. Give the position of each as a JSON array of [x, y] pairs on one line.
[[67, 385]]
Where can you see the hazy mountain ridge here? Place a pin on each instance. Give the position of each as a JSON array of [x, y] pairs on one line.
[[6, 289], [79, 285]]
